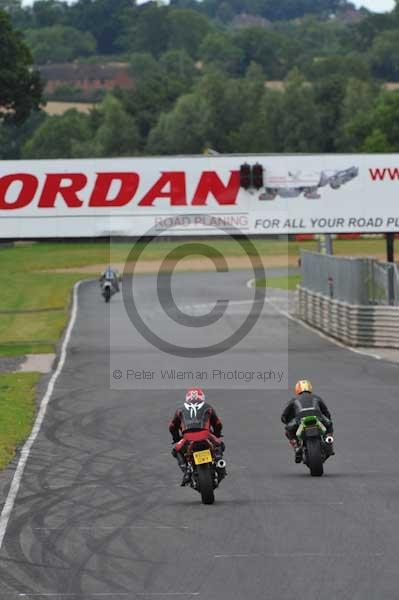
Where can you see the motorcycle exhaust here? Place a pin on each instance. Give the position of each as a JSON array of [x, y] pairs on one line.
[[329, 439], [221, 464]]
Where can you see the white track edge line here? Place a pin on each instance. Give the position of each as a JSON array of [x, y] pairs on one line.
[[286, 314], [19, 471]]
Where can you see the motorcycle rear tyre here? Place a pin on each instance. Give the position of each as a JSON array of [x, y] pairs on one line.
[[206, 484], [314, 457]]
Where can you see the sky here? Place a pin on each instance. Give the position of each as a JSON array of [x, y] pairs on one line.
[[374, 5]]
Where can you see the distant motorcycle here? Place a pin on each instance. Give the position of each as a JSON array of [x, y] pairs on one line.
[[206, 469], [311, 436], [107, 290]]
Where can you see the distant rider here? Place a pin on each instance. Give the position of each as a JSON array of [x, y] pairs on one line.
[[110, 275], [194, 415], [305, 403]]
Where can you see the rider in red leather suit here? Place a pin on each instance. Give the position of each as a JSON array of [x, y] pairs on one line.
[[194, 415]]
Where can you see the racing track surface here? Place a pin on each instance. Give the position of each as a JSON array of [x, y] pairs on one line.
[[100, 513]]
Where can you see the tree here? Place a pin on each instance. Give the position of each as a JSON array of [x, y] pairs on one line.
[[179, 72], [20, 87], [217, 49], [275, 11], [329, 97], [13, 136], [251, 129], [384, 125], [10, 6], [156, 89], [183, 130], [384, 55], [21, 16], [57, 136], [297, 121], [47, 13], [377, 142], [222, 115], [364, 33], [261, 46], [149, 30], [224, 13], [117, 134], [352, 65], [106, 20], [107, 131], [144, 67], [376, 127], [355, 125], [187, 29], [59, 44]]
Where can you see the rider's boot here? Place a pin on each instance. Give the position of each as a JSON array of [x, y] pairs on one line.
[[297, 448], [186, 476], [298, 454], [183, 467]]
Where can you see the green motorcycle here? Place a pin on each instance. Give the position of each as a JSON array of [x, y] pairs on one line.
[[315, 442]]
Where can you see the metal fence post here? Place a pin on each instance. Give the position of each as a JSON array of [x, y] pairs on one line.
[[391, 284], [325, 243], [331, 286]]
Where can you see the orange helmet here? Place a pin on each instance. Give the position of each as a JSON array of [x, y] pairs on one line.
[[303, 385]]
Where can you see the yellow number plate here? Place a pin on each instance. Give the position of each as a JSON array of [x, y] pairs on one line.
[[202, 457]]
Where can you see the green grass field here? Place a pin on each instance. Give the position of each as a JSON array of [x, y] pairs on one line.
[[43, 256], [33, 310], [288, 282], [17, 409]]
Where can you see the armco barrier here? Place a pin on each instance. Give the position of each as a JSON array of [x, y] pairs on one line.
[[356, 325], [350, 279]]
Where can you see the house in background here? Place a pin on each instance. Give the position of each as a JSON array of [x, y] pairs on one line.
[[89, 78], [244, 20]]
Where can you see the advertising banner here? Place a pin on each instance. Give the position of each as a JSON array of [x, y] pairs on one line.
[[197, 195]]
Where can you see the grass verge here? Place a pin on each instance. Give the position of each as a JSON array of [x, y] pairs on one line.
[[44, 256], [33, 311], [17, 408], [288, 282]]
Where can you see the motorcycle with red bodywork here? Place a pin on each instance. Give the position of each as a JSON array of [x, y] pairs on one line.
[[203, 453]]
